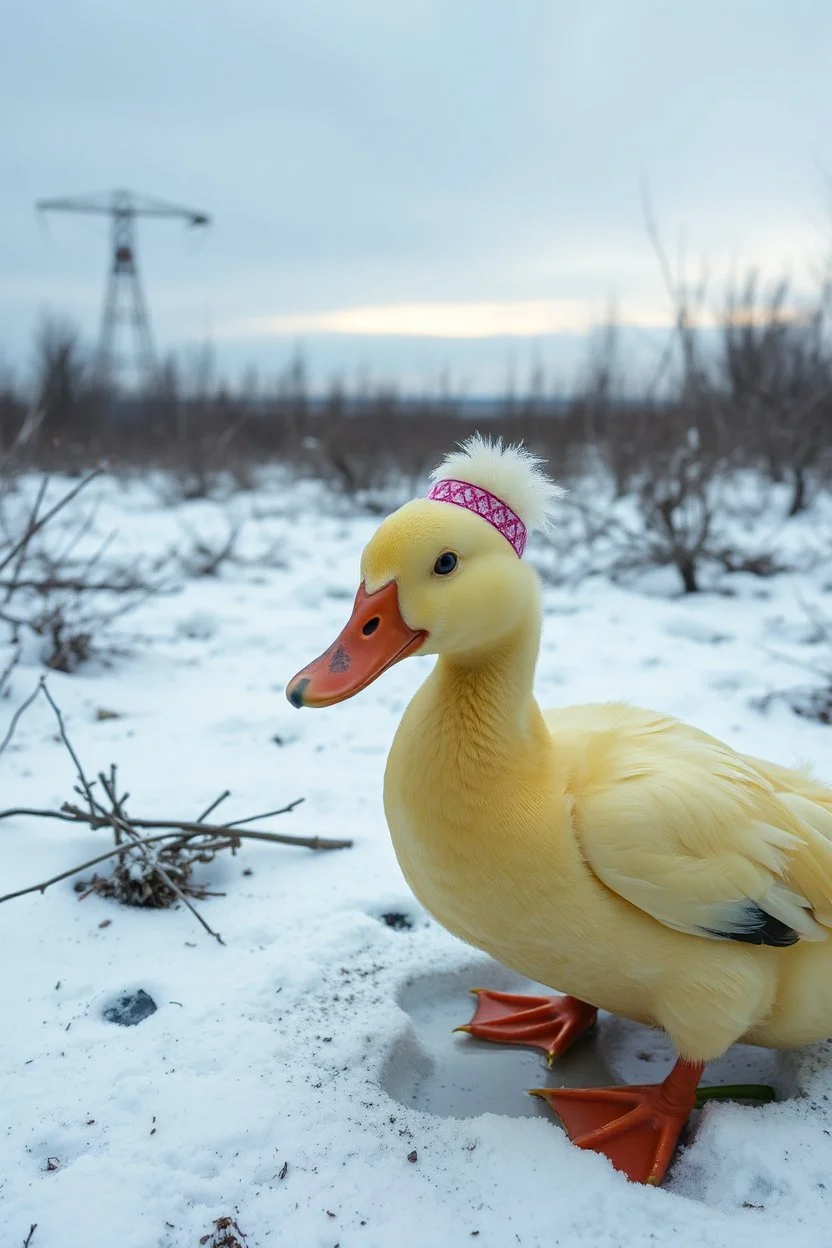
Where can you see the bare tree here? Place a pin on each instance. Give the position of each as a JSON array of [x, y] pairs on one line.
[[776, 371], [63, 381]]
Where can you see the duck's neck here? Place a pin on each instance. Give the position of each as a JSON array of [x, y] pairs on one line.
[[478, 716], [472, 773], [490, 692]]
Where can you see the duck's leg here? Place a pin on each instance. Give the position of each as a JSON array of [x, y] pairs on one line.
[[637, 1128], [552, 1024]]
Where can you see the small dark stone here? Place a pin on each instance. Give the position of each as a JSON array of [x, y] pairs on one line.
[[130, 1009], [414, 1156], [398, 922]]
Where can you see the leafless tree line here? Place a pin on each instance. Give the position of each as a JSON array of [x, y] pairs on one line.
[[748, 387], [757, 388]]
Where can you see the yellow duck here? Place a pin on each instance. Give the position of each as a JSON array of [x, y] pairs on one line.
[[616, 854]]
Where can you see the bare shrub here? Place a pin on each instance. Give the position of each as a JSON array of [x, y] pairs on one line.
[[659, 463], [362, 445], [813, 701], [52, 592], [206, 556], [13, 412], [197, 422], [666, 492], [675, 457], [677, 496], [775, 373], [67, 396]]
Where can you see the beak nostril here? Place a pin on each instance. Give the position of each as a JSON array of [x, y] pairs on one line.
[[371, 626]]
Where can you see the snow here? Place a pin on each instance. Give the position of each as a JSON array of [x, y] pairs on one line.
[[289, 1076]]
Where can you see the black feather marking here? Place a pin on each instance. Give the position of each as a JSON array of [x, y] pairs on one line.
[[759, 928]]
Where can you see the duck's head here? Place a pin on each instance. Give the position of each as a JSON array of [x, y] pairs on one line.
[[443, 574]]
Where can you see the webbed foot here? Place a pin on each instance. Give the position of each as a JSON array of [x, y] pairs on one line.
[[636, 1128], [552, 1024]]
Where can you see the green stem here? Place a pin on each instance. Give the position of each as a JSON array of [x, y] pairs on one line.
[[736, 1092]]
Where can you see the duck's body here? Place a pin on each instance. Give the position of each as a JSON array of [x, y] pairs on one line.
[[628, 860], [490, 803], [509, 876]]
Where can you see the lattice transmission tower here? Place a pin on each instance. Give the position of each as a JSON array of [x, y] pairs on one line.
[[124, 302]]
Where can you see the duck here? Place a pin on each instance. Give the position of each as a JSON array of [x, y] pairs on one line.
[[628, 861]]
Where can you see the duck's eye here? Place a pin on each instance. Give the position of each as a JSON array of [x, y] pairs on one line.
[[445, 563]]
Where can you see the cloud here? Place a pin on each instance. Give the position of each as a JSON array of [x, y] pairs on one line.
[[529, 318]]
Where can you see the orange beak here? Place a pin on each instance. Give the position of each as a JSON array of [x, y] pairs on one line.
[[374, 639]]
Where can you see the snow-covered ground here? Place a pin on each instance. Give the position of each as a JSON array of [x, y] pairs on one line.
[[303, 1078]]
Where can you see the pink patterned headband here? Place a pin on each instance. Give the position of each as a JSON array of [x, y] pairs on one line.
[[483, 503]]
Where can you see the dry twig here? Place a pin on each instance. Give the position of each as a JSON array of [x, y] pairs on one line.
[[58, 595], [36, 522], [154, 870], [9, 668], [19, 713]]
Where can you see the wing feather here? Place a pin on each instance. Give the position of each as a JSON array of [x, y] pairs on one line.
[[702, 839]]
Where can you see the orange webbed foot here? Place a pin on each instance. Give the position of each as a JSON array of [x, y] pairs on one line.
[[552, 1024], [636, 1128]]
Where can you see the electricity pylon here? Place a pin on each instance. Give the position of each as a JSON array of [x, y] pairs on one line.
[[124, 301]]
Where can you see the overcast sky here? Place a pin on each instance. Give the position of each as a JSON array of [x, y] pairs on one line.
[[407, 187]]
